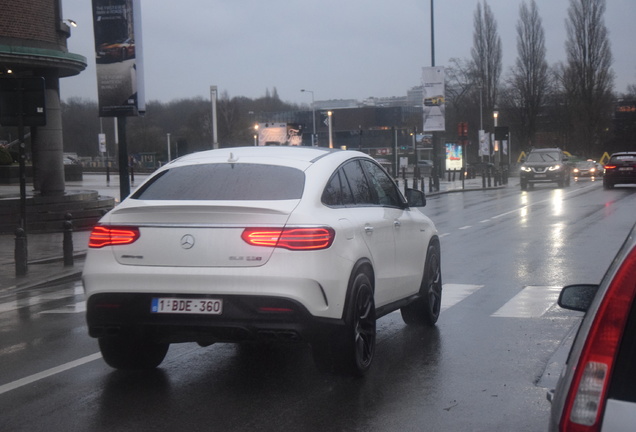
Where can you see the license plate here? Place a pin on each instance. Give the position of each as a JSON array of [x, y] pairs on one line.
[[169, 305], [540, 175], [626, 169]]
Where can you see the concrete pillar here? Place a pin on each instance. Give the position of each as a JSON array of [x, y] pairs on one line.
[[48, 144]]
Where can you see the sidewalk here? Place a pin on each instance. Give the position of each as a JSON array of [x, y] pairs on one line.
[[45, 250]]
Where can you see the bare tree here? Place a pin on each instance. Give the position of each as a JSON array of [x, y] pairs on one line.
[[486, 54], [587, 78], [463, 101], [459, 84], [630, 93], [529, 80]]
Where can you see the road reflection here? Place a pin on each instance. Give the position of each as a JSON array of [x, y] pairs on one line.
[[271, 387]]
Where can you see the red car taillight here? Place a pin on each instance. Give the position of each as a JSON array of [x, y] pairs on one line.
[[290, 238], [112, 235], [610, 167], [585, 402]]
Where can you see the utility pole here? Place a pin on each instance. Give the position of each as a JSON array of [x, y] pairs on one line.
[[215, 142]]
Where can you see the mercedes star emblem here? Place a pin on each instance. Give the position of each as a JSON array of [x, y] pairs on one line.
[[187, 241]]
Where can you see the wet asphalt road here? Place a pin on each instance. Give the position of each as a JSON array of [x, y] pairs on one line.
[[485, 367]]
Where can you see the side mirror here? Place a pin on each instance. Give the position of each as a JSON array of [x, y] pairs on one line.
[[577, 297], [415, 198]]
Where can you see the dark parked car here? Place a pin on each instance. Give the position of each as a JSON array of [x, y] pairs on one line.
[[545, 165], [620, 169], [597, 388]]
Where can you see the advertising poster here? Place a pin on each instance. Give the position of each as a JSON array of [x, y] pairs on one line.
[[454, 156], [484, 143], [434, 103], [279, 134], [118, 54]]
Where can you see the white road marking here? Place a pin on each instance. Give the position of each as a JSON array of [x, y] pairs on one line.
[[531, 302], [465, 227], [47, 373], [454, 293], [78, 307], [40, 299]]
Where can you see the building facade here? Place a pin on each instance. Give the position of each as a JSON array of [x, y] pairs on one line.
[[33, 35]]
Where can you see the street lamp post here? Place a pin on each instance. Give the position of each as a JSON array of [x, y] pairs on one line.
[[213, 95], [329, 114], [481, 114], [313, 115], [168, 139]]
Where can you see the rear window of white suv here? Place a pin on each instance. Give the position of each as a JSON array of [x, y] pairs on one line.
[[224, 181]]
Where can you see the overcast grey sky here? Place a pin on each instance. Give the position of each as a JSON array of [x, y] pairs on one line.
[[340, 49]]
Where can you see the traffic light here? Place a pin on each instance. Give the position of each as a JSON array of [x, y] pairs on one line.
[[462, 129]]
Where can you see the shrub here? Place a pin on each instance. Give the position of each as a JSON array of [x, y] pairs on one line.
[[5, 156]]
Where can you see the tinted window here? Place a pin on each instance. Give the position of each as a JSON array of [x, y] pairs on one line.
[[354, 176], [225, 182], [384, 187], [622, 158], [337, 192]]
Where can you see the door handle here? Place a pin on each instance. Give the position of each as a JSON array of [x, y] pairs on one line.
[[368, 229], [397, 223]]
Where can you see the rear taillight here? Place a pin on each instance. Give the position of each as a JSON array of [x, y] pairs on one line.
[[290, 238], [585, 402], [103, 235], [610, 167]]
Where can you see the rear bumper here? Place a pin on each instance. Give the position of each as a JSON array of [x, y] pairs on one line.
[[620, 177], [548, 177], [244, 319]]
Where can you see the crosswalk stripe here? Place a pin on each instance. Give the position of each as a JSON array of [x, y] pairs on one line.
[[40, 299], [78, 307], [531, 302], [454, 293]]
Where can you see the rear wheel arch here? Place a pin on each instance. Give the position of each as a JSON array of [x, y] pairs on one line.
[[425, 310], [350, 350], [362, 265]]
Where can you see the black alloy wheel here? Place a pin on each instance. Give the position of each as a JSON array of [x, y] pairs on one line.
[[363, 326], [351, 350], [132, 353]]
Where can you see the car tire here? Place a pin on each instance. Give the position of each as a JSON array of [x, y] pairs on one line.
[[131, 353], [607, 185], [426, 309], [351, 352], [523, 184]]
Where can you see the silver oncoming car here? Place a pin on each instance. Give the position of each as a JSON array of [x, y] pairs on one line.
[[273, 244]]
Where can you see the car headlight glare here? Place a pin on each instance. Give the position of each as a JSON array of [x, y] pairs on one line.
[[555, 167], [526, 169]]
